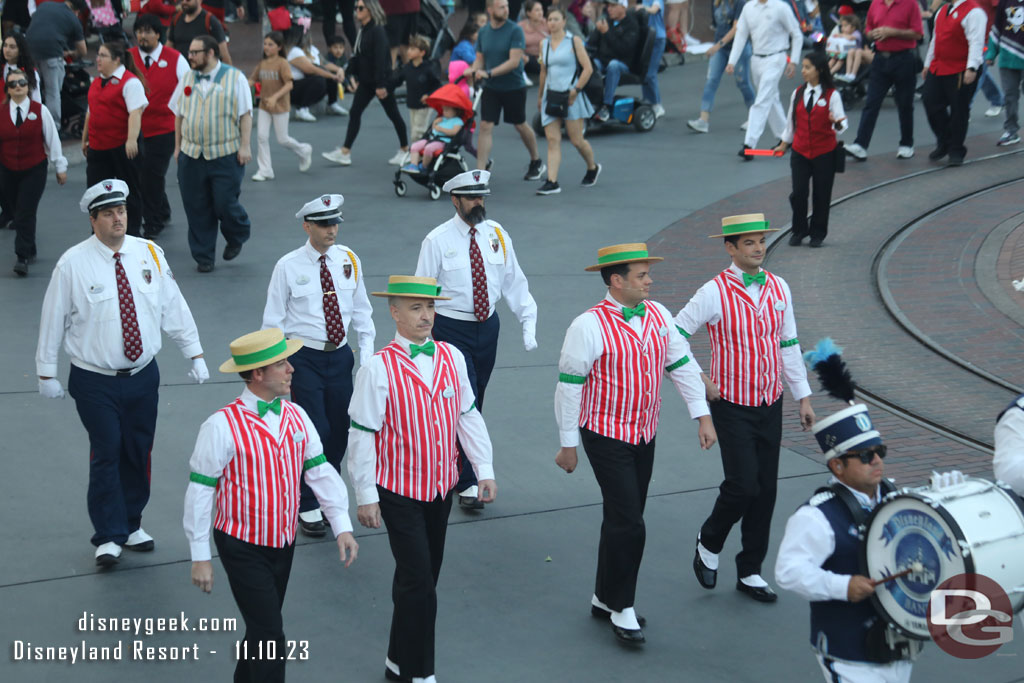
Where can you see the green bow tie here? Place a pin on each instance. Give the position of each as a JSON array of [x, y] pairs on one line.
[[751, 279], [416, 349], [275, 406], [628, 313]]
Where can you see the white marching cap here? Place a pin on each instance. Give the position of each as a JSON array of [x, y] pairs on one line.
[[324, 209], [110, 192]]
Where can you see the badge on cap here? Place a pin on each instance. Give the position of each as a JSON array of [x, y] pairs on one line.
[[476, 176], [108, 186], [326, 199]]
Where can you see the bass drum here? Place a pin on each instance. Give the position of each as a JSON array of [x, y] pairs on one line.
[[974, 527]]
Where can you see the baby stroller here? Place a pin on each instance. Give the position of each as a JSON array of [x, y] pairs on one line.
[[74, 97], [449, 162]]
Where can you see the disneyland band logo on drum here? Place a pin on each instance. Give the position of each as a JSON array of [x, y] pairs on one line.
[[970, 616]]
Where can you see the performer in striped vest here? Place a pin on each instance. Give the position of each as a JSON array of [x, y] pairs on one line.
[[609, 394], [411, 400], [250, 457], [749, 315]]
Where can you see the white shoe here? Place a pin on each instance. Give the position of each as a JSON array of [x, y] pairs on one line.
[[659, 111], [305, 158], [338, 109], [400, 159], [904, 152], [303, 114], [527, 81], [108, 554], [697, 125], [338, 157], [856, 151], [743, 126], [993, 111], [259, 177], [428, 679], [139, 541]]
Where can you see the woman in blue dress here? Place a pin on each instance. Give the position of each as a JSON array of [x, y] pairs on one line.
[[562, 57]]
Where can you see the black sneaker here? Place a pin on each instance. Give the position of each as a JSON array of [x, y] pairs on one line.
[[21, 266], [743, 153], [938, 153], [603, 114], [537, 167], [549, 187], [590, 178]]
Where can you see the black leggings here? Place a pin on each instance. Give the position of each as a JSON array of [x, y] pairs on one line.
[[308, 90], [365, 94]]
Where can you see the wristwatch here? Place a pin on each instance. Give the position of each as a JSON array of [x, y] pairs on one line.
[[488, 73]]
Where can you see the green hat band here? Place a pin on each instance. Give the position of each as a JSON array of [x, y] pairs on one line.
[[621, 256], [260, 356], [414, 288], [752, 226]]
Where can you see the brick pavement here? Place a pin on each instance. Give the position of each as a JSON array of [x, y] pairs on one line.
[[1010, 264]]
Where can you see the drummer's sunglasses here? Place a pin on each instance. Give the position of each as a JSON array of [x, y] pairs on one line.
[[866, 455]]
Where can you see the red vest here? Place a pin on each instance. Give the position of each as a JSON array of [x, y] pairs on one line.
[[622, 395], [813, 134], [950, 40], [108, 114], [416, 455], [157, 118], [21, 148]]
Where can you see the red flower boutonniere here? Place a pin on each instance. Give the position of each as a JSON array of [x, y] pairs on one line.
[[188, 90]]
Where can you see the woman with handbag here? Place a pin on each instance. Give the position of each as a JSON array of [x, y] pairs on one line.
[[564, 71], [816, 116]]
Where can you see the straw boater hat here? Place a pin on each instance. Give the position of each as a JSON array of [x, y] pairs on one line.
[[411, 287], [259, 349], [744, 223], [635, 252]]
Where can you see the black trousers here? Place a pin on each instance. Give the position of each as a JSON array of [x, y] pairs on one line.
[[899, 71], [749, 438], [416, 531], [822, 171], [347, 8], [308, 90], [365, 94], [623, 472], [114, 163], [947, 104], [259, 578], [21, 192], [154, 160]]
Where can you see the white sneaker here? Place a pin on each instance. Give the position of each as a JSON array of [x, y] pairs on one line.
[[108, 554], [139, 541], [401, 158], [338, 109], [993, 111], [338, 157], [259, 177], [305, 158], [659, 111], [904, 152], [856, 151], [303, 114], [743, 126], [697, 125], [527, 81]]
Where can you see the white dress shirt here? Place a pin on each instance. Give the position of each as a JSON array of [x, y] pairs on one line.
[[36, 94], [81, 308], [706, 307], [584, 345], [51, 139], [243, 96], [133, 92], [771, 28], [809, 541], [444, 255], [179, 68], [1008, 461], [215, 448], [295, 297], [974, 25], [369, 403], [835, 107]]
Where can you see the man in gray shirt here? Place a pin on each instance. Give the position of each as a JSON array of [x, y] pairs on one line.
[[55, 31]]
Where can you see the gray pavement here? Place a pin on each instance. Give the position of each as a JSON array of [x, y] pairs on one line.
[[516, 585]]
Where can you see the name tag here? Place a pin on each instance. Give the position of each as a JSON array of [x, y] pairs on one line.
[[302, 280], [32, 116], [663, 332], [162, 64], [298, 436], [95, 289], [780, 305], [448, 392], [822, 102], [450, 253]]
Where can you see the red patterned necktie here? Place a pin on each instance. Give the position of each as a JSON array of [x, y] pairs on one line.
[[481, 304], [130, 334], [332, 314]]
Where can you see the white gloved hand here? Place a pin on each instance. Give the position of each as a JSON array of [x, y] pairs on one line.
[[51, 388], [199, 373], [529, 341]]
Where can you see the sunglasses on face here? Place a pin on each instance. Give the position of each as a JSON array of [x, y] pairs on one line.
[[867, 455], [360, 7], [21, 83]]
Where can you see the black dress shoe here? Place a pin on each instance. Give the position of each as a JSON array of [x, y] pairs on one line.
[[705, 577], [106, 560], [631, 636], [392, 676], [21, 267], [955, 161], [599, 613], [938, 153], [761, 593], [312, 529], [470, 503], [231, 251], [795, 239], [816, 242], [205, 267], [743, 153], [151, 232]]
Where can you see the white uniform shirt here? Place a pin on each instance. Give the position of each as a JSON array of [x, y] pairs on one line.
[[706, 307], [1008, 461], [179, 68], [133, 92], [771, 28], [809, 541], [974, 25], [584, 345], [36, 95], [295, 297], [243, 96], [835, 107], [215, 448], [81, 308], [444, 255], [369, 403], [51, 140]]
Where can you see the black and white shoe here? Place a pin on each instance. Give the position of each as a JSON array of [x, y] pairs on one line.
[[536, 169], [549, 187], [590, 179]]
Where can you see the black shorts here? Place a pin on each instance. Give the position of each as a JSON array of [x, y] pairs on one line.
[[400, 28], [512, 102]]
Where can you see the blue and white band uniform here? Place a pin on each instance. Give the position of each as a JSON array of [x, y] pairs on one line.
[[1008, 461]]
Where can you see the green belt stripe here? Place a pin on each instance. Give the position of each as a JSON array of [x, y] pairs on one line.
[[362, 428], [789, 342], [260, 356], [678, 364], [571, 379], [683, 332], [621, 256], [744, 227], [202, 479], [313, 462], [414, 288]]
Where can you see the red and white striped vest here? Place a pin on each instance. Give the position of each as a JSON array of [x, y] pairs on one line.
[[258, 493], [622, 394], [416, 455], [745, 360]]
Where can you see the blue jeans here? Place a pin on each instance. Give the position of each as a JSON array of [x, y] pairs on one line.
[[612, 73], [209, 193], [650, 86], [716, 67], [899, 69]]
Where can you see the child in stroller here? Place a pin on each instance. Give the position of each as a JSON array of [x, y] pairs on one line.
[[440, 160], [443, 130]]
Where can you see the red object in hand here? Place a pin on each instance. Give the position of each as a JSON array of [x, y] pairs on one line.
[[762, 153], [258, 87]]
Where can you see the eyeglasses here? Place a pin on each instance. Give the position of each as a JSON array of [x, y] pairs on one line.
[[20, 83], [196, 52], [867, 455]]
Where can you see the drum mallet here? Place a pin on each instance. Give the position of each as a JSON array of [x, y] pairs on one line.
[[914, 567]]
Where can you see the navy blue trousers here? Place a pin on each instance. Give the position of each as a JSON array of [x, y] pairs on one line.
[[899, 71], [322, 385], [119, 413], [479, 344], [209, 193]]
